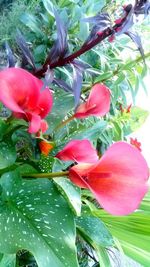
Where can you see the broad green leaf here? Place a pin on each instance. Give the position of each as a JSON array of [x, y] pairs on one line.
[[136, 254], [49, 7], [94, 231], [84, 31], [71, 192], [137, 118], [81, 130], [3, 127], [32, 22], [132, 232], [26, 168], [103, 257], [63, 102], [35, 217], [8, 260], [7, 154]]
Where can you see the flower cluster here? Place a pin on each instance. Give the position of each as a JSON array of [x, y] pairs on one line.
[[118, 179]]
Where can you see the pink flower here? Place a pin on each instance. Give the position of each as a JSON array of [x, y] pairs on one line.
[[21, 92], [118, 181], [78, 151], [98, 103]]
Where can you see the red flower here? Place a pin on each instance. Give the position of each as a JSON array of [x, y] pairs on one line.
[[125, 110], [45, 147], [21, 92], [98, 103], [78, 151], [118, 180], [135, 143]]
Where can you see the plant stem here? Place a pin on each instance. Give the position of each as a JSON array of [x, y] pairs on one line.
[[84, 48], [128, 65], [46, 175], [63, 123]]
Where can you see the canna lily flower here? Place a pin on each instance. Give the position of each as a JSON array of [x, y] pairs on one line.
[[118, 180], [98, 103], [135, 143], [21, 92], [125, 110], [78, 151], [45, 147]]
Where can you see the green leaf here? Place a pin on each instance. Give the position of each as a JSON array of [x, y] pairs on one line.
[[71, 192], [49, 7], [31, 21], [26, 168], [132, 232], [35, 217], [94, 231], [8, 260], [95, 6], [88, 129], [103, 257], [7, 154], [63, 102], [136, 119], [3, 127], [104, 76]]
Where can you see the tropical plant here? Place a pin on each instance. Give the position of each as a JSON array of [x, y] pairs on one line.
[[72, 186]]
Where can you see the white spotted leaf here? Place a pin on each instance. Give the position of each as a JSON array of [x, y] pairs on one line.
[[35, 217], [94, 231], [7, 154], [71, 192]]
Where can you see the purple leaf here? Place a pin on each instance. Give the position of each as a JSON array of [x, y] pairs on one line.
[[48, 79], [142, 7], [102, 18], [77, 83], [147, 8], [25, 49], [60, 47], [61, 35], [62, 84], [101, 22], [128, 23], [10, 56], [137, 40], [80, 64]]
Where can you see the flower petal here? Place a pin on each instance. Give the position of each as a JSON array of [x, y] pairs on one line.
[[45, 103], [45, 147], [19, 90], [78, 174], [118, 180], [121, 193], [98, 103], [79, 151], [44, 126], [34, 122]]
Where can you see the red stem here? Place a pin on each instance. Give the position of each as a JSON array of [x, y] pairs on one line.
[[86, 47]]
